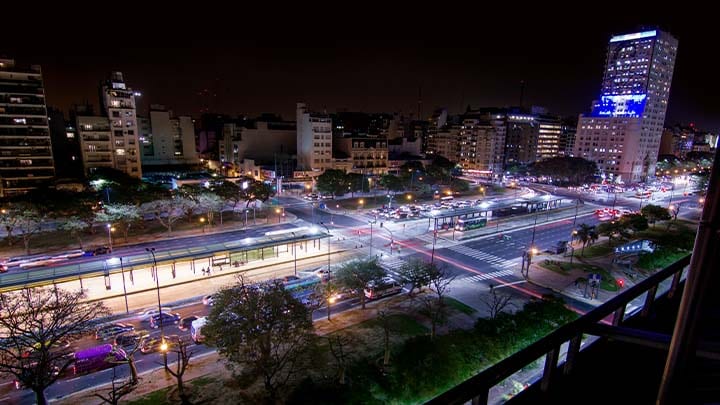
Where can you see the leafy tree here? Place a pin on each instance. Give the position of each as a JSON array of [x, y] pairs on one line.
[[229, 191], [35, 323], [634, 222], [356, 275], [255, 191], [459, 185], [612, 229], [573, 170], [263, 331], [124, 216], [392, 183], [29, 223], [189, 194], [585, 235], [167, 212], [334, 182], [441, 169], [75, 226], [358, 182], [10, 218], [655, 213], [211, 203], [415, 272]]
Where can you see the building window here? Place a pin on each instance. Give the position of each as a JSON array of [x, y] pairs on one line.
[[118, 133], [70, 135], [19, 121], [116, 114]]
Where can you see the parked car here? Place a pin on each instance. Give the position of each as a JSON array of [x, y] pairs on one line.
[[148, 313], [154, 344], [167, 319], [109, 331], [101, 250], [209, 299], [186, 322], [128, 339]]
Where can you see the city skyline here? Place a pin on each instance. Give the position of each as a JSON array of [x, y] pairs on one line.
[[560, 66]]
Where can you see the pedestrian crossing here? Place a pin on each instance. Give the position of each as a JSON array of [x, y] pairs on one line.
[[490, 276], [426, 237], [393, 265], [494, 261]]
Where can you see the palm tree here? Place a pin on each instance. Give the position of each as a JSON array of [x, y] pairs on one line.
[[585, 234]]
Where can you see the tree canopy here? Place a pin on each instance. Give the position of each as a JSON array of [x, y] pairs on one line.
[[573, 170], [332, 181]]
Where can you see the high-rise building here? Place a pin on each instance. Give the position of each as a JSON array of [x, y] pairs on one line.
[[167, 140], [118, 103], [314, 139], [65, 146], [26, 159], [622, 133]]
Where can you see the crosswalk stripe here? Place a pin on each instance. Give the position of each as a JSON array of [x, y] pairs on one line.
[[494, 261], [488, 276]]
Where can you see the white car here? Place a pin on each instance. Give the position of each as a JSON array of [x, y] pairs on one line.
[[148, 313], [209, 299]]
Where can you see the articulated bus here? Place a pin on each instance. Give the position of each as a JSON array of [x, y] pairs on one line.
[[470, 223]]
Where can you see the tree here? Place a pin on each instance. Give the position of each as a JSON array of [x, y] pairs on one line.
[[75, 226], [459, 185], [440, 279], [255, 191], [358, 182], [415, 272], [124, 216], [9, 219], [35, 322], [211, 202], [167, 212], [183, 361], [327, 291], [29, 223], [386, 323], [356, 275], [573, 170], [116, 392], [228, 191], [334, 182], [435, 311], [634, 222], [390, 182], [655, 213], [340, 347], [189, 194], [611, 230], [584, 235], [263, 331], [496, 302]]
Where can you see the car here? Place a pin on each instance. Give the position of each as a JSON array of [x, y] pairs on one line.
[[166, 318], [111, 330], [148, 313], [154, 344], [186, 322], [209, 299], [101, 250], [128, 339]]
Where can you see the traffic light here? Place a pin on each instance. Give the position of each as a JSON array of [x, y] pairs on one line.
[[621, 283]]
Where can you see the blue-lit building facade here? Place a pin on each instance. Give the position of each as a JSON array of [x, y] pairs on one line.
[[623, 131]]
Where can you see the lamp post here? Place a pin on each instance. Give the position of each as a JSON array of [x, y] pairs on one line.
[[294, 252], [371, 232], [577, 204], [122, 271], [202, 223], [110, 229], [163, 345], [537, 212], [328, 243], [392, 238], [432, 256]]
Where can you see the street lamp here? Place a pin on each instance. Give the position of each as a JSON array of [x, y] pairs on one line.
[[371, 232], [202, 223], [577, 204], [110, 229], [392, 238], [160, 317], [432, 256], [328, 243], [294, 252]]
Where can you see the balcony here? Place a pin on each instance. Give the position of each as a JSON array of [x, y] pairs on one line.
[[483, 387]]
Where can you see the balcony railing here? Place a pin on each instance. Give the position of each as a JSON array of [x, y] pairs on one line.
[[477, 388]]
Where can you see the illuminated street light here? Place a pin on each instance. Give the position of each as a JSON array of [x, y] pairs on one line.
[[110, 229]]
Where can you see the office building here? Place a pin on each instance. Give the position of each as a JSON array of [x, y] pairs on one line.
[[26, 158], [622, 133]]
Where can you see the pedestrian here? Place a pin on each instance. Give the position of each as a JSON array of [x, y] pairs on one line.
[[203, 271]]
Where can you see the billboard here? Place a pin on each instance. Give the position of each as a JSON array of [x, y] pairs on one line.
[[624, 105]]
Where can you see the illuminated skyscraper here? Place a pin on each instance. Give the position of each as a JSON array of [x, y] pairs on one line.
[[622, 133]]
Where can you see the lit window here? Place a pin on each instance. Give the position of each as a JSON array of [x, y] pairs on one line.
[[19, 121]]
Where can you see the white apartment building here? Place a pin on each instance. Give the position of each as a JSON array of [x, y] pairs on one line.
[[314, 140], [167, 140], [623, 132], [95, 142], [118, 103]]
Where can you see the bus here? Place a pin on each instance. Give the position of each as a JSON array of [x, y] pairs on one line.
[[196, 329], [470, 223], [96, 358], [387, 286], [302, 289]]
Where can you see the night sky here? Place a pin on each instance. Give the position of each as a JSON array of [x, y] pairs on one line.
[[560, 60]]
